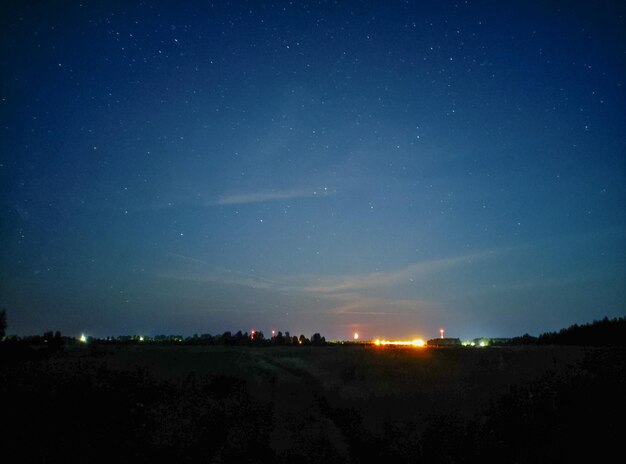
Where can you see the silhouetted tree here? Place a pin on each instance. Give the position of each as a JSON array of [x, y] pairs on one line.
[[258, 338], [226, 338], [239, 338], [53, 340], [317, 339], [3, 323], [606, 332], [525, 339], [279, 339]]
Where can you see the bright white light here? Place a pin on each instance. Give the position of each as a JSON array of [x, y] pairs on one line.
[[141, 339], [419, 343], [356, 336], [83, 338], [483, 343]]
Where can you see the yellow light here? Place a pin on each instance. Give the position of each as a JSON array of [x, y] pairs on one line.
[[141, 339], [417, 342], [83, 338], [356, 336]]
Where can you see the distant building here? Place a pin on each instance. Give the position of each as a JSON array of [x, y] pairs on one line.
[[483, 341], [444, 342]]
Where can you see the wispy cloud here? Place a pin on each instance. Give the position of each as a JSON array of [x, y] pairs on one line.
[[370, 296], [325, 286], [223, 277], [188, 259], [357, 304], [391, 278], [196, 196], [272, 195]]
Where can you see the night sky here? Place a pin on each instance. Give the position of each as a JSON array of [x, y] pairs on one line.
[[331, 167]]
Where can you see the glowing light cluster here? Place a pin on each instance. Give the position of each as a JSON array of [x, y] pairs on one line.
[[417, 342]]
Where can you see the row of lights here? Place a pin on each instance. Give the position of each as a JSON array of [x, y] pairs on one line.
[[417, 342], [83, 338]]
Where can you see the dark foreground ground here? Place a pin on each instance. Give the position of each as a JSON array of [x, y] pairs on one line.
[[312, 404]]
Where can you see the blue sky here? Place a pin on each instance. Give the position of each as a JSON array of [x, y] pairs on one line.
[[386, 168]]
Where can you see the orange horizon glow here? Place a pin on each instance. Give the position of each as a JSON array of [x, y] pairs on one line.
[[418, 342]]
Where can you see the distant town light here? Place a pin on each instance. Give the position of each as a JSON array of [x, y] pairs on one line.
[[441, 333], [83, 338], [418, 343], [356, 335], [141, 339]]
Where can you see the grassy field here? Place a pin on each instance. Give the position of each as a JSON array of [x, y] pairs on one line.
[[312, 404]]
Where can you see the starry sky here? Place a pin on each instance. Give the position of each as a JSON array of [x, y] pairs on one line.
[[382, 167]]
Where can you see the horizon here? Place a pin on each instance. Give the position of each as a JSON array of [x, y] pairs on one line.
[[381, 169], [351, 338]]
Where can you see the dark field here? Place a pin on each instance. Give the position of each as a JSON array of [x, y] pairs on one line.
[[312, 404]]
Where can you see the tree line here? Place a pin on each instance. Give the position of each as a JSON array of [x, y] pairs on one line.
[[254, 338], [605, 332], [55, 341]]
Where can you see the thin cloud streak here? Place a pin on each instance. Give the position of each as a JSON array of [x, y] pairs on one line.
[[393, 278], [273, 195], [346, 295], [372, 306], [223, 277], [333, 286], [188, 259]]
